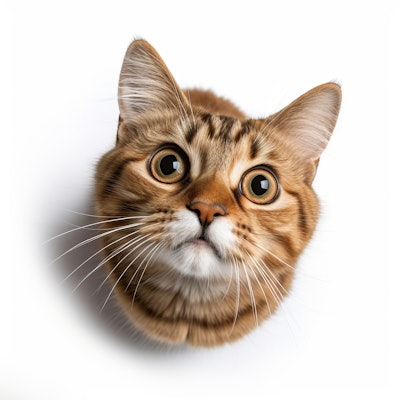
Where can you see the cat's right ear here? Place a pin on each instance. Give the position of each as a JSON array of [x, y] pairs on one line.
[[146, 85], [306, 125]]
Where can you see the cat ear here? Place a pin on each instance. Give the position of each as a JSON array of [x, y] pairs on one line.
[[146, 84], [307, 123]]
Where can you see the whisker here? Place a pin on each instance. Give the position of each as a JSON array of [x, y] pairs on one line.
[[251, 293], [96, 237], [277, 294], [151, 253], [96, 253], [273, 255], [229, 284], [283, 261], [87, 226], [237, 304], [102, 216], [126, 269], [277, 290], [274, 278], [273, 290], [137, 242], [117, 251], [298, 271], [261, 265], [262, 289], [267, 274], [138, 267]]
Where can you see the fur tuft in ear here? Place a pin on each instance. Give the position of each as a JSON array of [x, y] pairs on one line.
[[146, 84], [306, 124]]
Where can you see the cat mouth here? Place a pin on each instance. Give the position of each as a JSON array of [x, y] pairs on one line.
[[200, 243]]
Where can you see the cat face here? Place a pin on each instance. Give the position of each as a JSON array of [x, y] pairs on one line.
[[207, 210]]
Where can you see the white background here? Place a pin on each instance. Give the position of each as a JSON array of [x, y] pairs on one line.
[[337, 335]]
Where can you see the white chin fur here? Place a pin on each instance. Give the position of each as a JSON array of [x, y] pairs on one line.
[[197, 258]]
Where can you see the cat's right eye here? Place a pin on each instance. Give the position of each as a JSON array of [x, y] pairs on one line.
[[168, 164], [260, 185]]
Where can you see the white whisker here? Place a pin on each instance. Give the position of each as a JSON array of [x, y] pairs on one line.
[[100, 216], [126, 269], [117, 251], [272, 289], [96, 253], [277, 294], [229, 283], [259, 284], [251, 293], [150, 255], [87, 226], [96, 237], [237, 304], [137, 242]]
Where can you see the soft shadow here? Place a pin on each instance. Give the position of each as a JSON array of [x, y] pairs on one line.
[[72, 253]]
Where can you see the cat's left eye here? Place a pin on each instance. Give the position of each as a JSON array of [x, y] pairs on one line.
[[260, 185], [169, 164]]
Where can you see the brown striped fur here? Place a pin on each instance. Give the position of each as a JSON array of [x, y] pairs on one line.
[[247, 265]]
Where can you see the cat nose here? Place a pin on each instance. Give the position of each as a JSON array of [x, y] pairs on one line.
[[207, 211]]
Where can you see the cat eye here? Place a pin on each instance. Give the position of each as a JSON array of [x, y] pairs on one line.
[[260, 185], [168, 164]]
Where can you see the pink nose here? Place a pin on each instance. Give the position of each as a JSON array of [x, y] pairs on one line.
[[207, 211]]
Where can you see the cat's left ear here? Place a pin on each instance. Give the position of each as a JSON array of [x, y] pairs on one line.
[[306, 125], [146, 85]]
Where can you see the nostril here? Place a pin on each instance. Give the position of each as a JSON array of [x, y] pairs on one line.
[[196, 211]]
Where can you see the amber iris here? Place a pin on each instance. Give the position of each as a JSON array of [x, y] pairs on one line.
[[168, 165], [260, 185]]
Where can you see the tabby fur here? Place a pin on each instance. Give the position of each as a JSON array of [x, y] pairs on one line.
[[196, 261]]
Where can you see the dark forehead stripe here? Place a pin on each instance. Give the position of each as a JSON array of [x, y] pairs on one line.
[[207, 120], [191, 133], [254, 148], [211, 127], [225, 129], [243, 131]]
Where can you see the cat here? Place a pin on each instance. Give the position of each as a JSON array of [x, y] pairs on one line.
[[206, 210]]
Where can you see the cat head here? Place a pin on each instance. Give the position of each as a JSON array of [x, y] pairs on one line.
[[197, 196]]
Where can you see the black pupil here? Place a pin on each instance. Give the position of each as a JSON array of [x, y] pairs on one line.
[[259, 185], [169, 164]]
